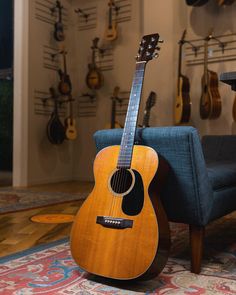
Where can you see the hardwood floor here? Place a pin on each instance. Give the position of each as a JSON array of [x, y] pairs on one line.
[[18, 232]]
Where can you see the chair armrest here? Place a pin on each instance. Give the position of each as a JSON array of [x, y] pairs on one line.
[[219, 148], [187, 196]]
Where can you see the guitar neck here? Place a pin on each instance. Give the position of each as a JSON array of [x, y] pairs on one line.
[[205, 61], [64, 61], [179, 67], [127, 142]]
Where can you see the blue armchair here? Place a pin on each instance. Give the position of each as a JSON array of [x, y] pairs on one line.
[[201, 184]]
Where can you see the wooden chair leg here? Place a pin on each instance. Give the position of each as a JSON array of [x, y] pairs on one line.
[[196, 234]]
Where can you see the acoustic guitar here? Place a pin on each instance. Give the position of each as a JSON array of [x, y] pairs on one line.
[[55, 128], [111, 31], [58, 27], [94, 78], [149, 104], [182, 101], [121, 231], [210, 102], [70, 124], [64, 86]]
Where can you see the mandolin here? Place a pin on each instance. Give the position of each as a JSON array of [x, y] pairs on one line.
[[182, 100], [55, 128], [64, 86], [111, 31], [70, 124], [210, 102], [58, 27], [94, 78], [121, 231], [149, 104]]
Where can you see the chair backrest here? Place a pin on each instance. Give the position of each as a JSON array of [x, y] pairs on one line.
[[187, 195]]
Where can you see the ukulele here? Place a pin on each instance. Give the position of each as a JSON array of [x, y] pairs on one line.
[[210, 102], [94, 78], [114, 124], [149, 104], [182, 100], [121, 229], [111, 32], [55, 128], [58, 27], [64, 85], [70, 124]]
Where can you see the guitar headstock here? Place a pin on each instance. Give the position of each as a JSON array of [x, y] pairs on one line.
[[148, 48], [58, 5], [151, 100], [209, 36], [111, 3], [182, 40]]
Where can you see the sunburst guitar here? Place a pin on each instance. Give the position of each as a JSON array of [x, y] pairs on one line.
[[121, 230]]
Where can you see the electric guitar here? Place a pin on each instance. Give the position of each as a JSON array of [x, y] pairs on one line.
[[55, 128], [58, 27], [94, 78], [64, 86], [121, 229], [149, 104], [182, 100], [111, 32], [70, 124], [210, 102]]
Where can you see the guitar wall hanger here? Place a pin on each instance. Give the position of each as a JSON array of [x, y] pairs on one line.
[[194, 48], [222, 45], [56, 96], [82, 13], [91, 96]]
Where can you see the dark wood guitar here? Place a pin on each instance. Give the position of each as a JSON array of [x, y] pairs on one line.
[[70, 123], [149, 104], [182, 100], [58, 27], [64, 86], [210, 102], [55, 128], [94, 78], [121, 229], [111, 31]]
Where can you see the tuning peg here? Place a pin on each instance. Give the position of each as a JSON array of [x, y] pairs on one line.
[[155, 55], [161, 41], [158, 48]]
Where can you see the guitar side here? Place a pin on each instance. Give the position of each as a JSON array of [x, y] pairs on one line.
[[128, 253], [182, 101]]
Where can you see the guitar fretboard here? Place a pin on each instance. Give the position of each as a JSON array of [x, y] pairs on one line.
[[127, 142]]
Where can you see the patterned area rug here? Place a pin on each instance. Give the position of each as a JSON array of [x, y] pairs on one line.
[[50, 269], [12, 200]]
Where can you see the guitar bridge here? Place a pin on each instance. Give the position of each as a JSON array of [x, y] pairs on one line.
[[113, 222]]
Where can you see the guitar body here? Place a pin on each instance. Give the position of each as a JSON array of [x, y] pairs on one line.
[[99, 245], [55, 130], [182, 102], [64, 86], [70, 126], [210, 102], [59, 31], [94, 78], [111, 33]]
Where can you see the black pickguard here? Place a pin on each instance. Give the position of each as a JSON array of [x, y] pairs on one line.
[[132, 203]]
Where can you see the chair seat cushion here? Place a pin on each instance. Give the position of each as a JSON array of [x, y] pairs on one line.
[[222, 174]]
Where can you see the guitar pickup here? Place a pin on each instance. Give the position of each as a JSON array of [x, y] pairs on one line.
[[113, 222]]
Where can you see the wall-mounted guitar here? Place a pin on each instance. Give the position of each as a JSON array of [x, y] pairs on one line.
[[210, 102], [70, 124], [114, 124], [120, 230], [64, 85], [94, 78], [58, 27], [55, 128], [182, 101], [111, 31], [149, 104]]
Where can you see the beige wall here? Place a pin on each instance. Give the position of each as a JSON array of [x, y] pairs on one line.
[[73, 160]]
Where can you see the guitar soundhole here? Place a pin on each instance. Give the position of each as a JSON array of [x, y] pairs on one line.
[[121, 181]]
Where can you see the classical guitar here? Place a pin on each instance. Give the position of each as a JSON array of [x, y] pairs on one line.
[[149, 104], [55, 128], [210, 102], [114, 99], [58, 27], [64, 85], [70, 124], [121, 231], [182, 101], [111, 31], [94, 78]]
